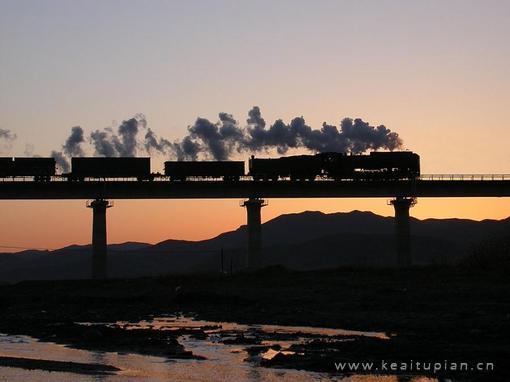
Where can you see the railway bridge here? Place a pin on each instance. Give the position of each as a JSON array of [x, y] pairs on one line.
[[403, 195]]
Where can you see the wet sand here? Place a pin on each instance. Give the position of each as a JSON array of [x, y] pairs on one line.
[[50, 365]]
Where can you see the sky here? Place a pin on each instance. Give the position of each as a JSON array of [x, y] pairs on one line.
[[435, 72]]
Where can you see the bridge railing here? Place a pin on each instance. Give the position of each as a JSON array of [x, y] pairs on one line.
[[427, 177], [466, 177]]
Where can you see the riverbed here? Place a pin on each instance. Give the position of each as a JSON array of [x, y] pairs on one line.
[[223, 349]]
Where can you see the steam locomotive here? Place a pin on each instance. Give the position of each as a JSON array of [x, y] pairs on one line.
[[338, 166]]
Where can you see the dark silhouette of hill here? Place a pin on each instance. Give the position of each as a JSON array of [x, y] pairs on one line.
[[307, 240]]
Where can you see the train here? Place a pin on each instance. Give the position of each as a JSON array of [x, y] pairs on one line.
[[377, 165]]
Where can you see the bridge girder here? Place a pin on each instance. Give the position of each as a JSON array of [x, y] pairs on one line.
[[251, 189]]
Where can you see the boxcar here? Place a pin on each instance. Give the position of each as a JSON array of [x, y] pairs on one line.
[[139, 168], [6, 166], [40, 168], [297, 167], [226, 170]]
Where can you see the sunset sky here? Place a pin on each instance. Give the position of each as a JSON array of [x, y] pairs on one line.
[[435, 72]]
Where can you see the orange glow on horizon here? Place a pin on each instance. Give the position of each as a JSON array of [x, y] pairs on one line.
[[55, 224]]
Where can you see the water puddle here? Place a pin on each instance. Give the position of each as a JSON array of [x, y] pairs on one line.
[[227, 349], [180, 322]]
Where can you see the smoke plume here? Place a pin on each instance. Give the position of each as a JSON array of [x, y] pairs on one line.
[[61, 160], [153, 144], [71, 148], [122, 143], [105, 142], [217, 140], [222, 139], [7, 137]]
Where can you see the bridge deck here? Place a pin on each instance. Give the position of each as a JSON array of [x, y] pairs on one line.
[[441, 186]]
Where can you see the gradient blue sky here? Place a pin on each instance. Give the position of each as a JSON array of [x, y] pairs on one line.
[[437, 72]]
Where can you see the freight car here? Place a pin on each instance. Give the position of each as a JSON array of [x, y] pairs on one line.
[[183, 170], [81, 168], [298, 167], [41, 169], [6, 167], [338, 166]]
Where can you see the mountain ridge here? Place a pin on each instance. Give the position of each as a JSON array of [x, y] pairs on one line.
[[304, 240]]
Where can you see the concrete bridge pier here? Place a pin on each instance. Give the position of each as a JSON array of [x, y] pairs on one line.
[[99, 248], [403, 229], [254, 226]]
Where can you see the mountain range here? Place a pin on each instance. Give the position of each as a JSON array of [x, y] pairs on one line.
[[302, 241]]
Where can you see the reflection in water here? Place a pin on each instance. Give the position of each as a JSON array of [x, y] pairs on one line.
[[98, 357], [179, 322], [223, 362]]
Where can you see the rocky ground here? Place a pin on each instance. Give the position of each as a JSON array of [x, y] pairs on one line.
[[430, 314]]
